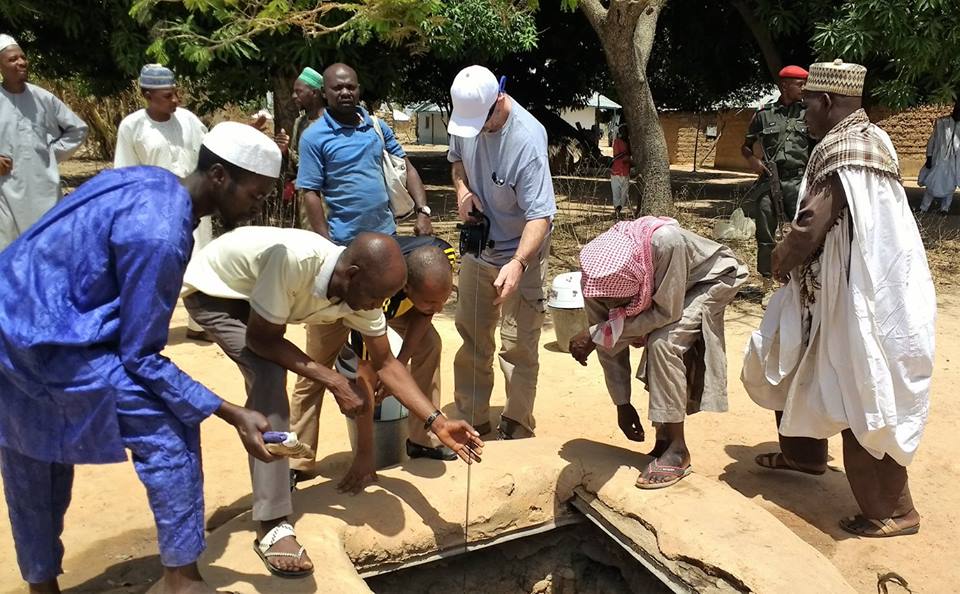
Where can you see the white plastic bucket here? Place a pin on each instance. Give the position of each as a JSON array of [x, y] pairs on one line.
[[565, 292], [567, 323], [565, 302]]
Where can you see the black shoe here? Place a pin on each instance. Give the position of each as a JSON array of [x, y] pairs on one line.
[[509, 429], [294, 479], [483, 428], [442, 452], [199, 335]]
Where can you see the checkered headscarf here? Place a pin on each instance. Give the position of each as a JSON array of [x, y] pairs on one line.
[[619, 264]]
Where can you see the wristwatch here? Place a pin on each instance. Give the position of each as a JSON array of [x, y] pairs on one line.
[[424, 210]]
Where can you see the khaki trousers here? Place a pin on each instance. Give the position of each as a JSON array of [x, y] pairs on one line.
[[520, 318], [324, 343]]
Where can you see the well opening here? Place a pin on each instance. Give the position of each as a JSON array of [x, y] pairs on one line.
[[575, 558]]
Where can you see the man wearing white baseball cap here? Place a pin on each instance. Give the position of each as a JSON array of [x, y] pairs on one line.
[[86, 296], [501, 174]]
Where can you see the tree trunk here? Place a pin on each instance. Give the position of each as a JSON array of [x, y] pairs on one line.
[[771, 56], [627, 30], [284, 109]]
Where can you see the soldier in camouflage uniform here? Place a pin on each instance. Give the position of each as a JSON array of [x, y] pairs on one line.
[[782, 134]]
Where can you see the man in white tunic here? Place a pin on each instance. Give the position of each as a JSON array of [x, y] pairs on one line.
[[941, 172], [846, 346], [164, 135], [37, 132]]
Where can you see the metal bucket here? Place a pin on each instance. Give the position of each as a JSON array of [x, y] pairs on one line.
[[389, 433], [567, 323], [390, 430]]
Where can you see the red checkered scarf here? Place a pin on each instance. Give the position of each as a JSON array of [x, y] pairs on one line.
[[619, 263]]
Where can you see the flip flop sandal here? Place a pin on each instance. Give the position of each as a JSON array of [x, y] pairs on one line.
[[281, 530], [870, 528], [770, 462], [676, 474]]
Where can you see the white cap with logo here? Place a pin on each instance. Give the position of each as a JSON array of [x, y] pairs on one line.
[[246, 147], [473, 93]]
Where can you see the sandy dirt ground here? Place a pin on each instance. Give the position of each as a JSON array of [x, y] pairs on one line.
[[109, 534]]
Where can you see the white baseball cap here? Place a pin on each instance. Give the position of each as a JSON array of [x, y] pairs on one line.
[[473, 93], [246, 147]]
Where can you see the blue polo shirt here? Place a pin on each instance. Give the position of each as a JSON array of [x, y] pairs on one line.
[[343, 163]]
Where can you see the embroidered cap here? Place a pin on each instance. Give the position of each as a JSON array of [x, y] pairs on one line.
[[157, 76], [246, 147], [837, 77]]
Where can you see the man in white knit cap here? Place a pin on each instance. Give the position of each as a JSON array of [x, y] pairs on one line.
[[846, 346], [86, 297]]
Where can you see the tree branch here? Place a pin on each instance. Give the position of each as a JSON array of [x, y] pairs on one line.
[[762, 35], [595, 13]]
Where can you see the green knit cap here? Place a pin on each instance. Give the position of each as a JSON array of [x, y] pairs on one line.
[[311, 78]]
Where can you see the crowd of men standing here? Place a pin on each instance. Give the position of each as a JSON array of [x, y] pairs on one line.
[[86, 296]]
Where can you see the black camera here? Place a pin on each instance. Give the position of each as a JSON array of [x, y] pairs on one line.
[[475, 237]]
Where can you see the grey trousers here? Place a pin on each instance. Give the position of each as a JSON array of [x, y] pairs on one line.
[[226, 322]]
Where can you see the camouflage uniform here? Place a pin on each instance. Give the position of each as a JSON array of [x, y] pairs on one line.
[[783, 138], [300, 126]]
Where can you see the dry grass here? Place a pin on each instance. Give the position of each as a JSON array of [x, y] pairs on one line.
[[584, 210]]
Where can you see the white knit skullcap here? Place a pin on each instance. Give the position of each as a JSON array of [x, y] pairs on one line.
[[246, 147], [6, 41]]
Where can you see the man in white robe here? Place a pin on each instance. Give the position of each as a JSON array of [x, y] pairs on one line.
[[37, 132], [941, 172], [168, 136], [847, 345]]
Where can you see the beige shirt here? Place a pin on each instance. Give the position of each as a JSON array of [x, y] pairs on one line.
[[283, 273]]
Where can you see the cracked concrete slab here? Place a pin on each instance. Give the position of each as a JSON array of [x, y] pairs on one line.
[[708, 535]]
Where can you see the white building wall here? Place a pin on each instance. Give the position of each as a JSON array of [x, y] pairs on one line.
[[586, 116], [430, 129]]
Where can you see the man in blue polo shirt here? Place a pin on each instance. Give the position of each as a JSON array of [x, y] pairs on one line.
[[340, 167]]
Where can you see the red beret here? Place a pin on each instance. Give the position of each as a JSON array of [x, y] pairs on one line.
[[794, 72]]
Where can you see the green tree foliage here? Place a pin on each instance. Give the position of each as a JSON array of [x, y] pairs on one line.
[[563, 67], [66, 39], [698, 62], [911, 47], [202, 31]]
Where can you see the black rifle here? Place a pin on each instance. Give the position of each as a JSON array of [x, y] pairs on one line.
[[776, 197]]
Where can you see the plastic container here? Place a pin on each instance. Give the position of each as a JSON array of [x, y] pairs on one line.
[[565, 293], [567, 323], [565, 302], [390, 430]]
